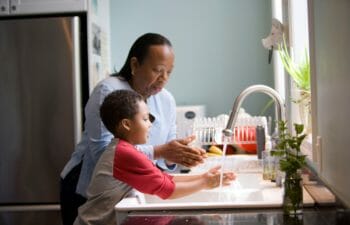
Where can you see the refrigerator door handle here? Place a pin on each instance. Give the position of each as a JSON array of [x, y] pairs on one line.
[[21, 208], [77, 90]]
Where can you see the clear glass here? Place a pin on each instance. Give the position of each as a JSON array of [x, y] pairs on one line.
[[270, 165], [293, 194]]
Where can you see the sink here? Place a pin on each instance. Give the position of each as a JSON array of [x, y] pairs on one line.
[[249, 190]]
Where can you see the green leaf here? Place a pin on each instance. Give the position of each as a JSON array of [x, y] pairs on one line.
[[298, 128], [267, 106], [299, 73], [288, 148]]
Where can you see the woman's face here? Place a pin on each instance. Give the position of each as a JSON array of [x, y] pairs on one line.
[[140, 125], [152, 75]]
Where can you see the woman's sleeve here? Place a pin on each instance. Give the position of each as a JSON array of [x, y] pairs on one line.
[[172, 119], [98, 136]]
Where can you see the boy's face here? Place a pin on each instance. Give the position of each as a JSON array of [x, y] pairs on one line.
[[140, 125]]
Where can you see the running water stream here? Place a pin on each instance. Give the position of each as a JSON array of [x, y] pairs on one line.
[[225, 142], [222, 165]]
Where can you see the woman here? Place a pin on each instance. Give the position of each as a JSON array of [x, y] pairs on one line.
[[146, 71]]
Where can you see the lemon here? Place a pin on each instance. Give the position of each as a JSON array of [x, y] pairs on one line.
[[209, 154], [215, 150]]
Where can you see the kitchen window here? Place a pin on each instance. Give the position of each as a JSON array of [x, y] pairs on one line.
[[295, 17]]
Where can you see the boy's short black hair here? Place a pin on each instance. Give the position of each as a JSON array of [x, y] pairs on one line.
[[119, 105]]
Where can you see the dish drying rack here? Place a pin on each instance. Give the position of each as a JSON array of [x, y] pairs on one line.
[[208, 130]]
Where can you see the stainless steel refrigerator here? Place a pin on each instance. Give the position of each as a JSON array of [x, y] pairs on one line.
[[41, 98]]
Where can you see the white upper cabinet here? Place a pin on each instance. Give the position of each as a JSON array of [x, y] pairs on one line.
[[28, 7]]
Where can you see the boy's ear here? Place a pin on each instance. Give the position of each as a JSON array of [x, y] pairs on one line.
[[151, 118], [126, 123]]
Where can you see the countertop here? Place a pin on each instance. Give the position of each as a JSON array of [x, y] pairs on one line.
[[310, 216]]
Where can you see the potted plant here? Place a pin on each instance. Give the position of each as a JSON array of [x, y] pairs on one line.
[[300, 74], [291, 163]]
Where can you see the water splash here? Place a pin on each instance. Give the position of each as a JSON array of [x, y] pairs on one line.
[[226, 140]]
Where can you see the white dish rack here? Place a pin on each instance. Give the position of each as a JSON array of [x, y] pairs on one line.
[[208, 130]]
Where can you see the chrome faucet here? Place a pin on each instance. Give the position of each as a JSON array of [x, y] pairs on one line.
[[280, 108]]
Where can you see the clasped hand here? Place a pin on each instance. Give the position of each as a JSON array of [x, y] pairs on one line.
[[178, 151]]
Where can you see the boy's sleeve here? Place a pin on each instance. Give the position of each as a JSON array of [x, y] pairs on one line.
[[135, 169]]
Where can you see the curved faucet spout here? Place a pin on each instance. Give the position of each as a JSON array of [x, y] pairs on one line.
[[280, 109]]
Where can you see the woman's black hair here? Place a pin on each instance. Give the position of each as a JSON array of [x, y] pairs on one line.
[[140, 50], [119, 105]]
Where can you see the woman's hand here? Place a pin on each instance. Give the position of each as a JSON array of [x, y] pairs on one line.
[[178, 151], [212, 178]]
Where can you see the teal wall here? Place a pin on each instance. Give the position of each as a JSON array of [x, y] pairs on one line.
[[217, 44]]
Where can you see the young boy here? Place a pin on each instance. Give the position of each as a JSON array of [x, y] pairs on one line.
[[122, 167]]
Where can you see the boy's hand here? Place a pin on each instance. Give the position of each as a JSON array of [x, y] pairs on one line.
[[212, 178]]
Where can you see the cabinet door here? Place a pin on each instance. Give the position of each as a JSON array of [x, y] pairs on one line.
[[4, 7], [43, 6]]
